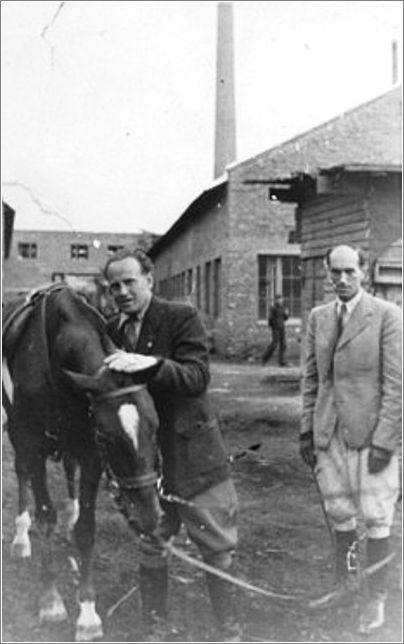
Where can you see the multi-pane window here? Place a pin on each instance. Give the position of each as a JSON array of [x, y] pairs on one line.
[[216, 287], [113, 248], [79, 251], [291, 285], [208, 270], [198, 287], [27, 250], [266, 284], [189, 281], [279, 275], [314, 278]]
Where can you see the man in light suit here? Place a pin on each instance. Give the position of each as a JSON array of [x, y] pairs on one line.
[[351, 420]]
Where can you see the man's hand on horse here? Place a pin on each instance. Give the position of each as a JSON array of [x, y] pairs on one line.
[[129, 362]]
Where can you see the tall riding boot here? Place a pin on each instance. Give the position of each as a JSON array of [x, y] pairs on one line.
[[153, 594], [372, 616], [222, 597], [346, 563]]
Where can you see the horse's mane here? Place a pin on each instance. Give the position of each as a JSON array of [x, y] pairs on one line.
[[66, 296]]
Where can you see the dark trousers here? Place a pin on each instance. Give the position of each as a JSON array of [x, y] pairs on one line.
[[278, 340]]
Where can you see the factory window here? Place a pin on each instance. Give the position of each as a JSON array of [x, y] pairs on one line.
[[208, 270], [198, 287], [314, 279], [216, 287], [291, 285], [79, 251], [189, 281], [113, 248], [279, 274], [27, 251]]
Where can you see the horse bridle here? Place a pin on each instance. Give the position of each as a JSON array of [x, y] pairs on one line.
[[135, 482]]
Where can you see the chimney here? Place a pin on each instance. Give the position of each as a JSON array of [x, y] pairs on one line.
[[394, 60], [225, 123]]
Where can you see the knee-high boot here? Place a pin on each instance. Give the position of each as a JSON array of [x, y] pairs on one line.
[[377, 550], [222, 597], [153, 594], [372, 614]]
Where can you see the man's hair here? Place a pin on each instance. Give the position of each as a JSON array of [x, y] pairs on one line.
[[139, 254], [360, 253]]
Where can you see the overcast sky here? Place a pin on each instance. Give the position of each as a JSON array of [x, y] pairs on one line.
[[108, 107]]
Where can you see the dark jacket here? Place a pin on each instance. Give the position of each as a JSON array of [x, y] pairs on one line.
[[277, 316], [194, 455]]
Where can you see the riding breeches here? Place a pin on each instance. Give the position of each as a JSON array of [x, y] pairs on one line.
[[349, 489], [210, 519]]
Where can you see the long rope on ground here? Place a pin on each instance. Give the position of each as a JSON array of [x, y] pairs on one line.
[[177, 552], [339, 592], [298, 600]]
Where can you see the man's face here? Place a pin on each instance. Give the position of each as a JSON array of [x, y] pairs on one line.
[[344, 272], [130, 288]]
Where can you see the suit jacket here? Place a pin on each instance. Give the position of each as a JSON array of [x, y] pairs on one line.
[[194, 455], [362, 390]]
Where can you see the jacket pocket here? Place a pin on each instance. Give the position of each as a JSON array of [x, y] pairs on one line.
[[204, 446]]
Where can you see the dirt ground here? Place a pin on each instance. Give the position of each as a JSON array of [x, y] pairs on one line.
[[284, 543]]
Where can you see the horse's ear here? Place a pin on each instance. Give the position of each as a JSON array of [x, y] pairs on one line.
[[82, 381]]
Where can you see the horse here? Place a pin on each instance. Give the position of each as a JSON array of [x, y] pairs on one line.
[[61, 401]]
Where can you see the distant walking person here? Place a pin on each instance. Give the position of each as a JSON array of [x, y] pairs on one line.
[[276, 321], [351, 420]]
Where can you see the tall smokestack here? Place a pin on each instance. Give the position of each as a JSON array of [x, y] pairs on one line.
[[394, 60], [225, 123]]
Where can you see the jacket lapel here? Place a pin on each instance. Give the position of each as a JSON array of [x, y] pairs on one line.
[[357, 322], [328, 330], [150, 326]]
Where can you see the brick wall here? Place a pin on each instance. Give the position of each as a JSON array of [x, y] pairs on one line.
[[54, 256], [242, 224]]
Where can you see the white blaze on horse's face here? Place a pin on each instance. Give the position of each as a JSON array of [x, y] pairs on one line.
[[129, 417], [7, 382]]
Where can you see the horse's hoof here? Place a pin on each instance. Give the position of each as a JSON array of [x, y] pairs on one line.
[[89, 633], [89, 624], [21, 550], [52, 608], [53, 614]]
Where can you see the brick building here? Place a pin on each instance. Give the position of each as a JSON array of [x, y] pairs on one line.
[[40, 257], [235, 246]]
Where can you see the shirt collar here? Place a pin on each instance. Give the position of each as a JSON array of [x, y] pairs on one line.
[[139, 317], [350, 305]]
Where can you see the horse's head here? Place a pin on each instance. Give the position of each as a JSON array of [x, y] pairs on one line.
[[126, 425]]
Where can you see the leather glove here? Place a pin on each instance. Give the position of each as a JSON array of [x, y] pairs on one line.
[[378, 459], [307, 449]]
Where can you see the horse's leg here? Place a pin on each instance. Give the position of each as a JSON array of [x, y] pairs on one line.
[[72, 503], [51, 606], [89, 625], [21, 545]]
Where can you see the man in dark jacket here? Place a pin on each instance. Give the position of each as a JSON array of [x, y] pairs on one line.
[[276, 321], [194, 461]]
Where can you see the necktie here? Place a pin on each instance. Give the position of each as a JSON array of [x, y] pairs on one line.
[[341, 321], [341, 316], [130, 329]]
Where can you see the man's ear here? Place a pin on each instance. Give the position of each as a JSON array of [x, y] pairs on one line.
[[82, 381]]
